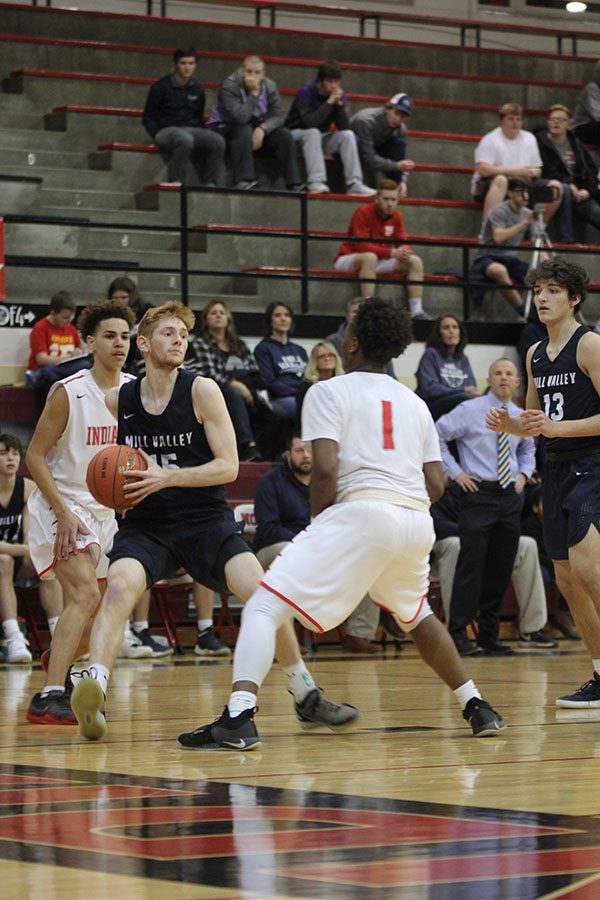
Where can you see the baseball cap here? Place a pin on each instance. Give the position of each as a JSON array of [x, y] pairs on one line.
[[402, 102]]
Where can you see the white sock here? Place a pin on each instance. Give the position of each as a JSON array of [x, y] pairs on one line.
[[141, 625], [466, 692], [52, 687], [415, 305], [301, 681], [596, 664], [203, 624], [11, 628], [52, 624], [240, 701], [101, 674]]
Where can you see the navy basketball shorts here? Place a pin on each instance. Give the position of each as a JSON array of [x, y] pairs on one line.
[[571, 497]]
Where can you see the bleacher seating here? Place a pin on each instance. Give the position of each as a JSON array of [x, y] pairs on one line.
[[76, 89]]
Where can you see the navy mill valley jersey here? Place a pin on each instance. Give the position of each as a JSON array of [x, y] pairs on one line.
[[565, 392], [175, 439], [11, 515]]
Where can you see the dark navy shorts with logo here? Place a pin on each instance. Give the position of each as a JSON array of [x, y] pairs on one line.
[[571, 496]]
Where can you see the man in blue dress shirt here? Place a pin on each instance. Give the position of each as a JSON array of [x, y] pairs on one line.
[[492, 475]]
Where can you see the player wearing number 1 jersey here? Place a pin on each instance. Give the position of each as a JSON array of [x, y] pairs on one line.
[[180, 517], [376, 465], [563, 405]]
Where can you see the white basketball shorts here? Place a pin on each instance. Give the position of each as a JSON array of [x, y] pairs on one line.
[[350, 549], [42, 534]]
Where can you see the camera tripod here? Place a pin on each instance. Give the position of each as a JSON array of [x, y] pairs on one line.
[[542, 244]]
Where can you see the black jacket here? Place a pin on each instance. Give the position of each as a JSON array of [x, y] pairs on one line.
[[169, 104], [585, 175]]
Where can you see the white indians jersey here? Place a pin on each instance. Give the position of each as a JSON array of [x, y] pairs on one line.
[[383, 430], [90, 427]]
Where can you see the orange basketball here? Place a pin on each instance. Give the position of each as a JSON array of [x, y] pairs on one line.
[[107, 474]]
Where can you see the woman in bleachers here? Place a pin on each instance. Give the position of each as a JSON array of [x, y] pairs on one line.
[[218, 352], [281, 361], [444, 376], [324, 362], [126, 290]]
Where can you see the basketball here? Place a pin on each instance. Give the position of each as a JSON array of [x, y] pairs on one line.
[[107, 474]]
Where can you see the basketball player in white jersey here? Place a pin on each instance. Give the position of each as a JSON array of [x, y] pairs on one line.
[[70, 532], [376, 466]]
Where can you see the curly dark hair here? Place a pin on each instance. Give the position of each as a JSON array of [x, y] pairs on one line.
[[435, 336], [568, 274], [94, 313], [383, 330]]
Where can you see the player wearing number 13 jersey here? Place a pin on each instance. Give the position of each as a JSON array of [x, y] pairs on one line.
[[563, 405], [376, 465]]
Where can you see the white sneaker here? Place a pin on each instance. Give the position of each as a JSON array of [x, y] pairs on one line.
[[318, 187], [357, 187], [16, 650], [132, 648]]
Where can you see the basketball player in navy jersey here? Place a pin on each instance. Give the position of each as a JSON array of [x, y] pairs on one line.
[[563, 405], [376, 466], [180, 518]]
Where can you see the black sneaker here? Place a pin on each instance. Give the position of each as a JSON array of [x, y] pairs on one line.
[[208, 644], [87, 702], [588, 695], [538, 639], [493, 647], [390, 625], [147, 639], [464, 646], [225, 733], [53, 709], [45, 662], [484, 720], [316, 710]]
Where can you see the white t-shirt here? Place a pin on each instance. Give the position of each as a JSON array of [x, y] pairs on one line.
[[384, 433], [90, 426], [496, 149]]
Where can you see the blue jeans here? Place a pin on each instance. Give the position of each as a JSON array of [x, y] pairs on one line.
[[587, 210]]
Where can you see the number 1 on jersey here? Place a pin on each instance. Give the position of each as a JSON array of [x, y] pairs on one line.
[[388, 425]]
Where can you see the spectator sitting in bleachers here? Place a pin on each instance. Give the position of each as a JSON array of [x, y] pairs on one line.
[[368, 257], [444, 375], [124, 289], [526, 574], [54, 338], [14, 553], [282, 510], [174, 119], [319, 122], [55, 346], [249, 114], [324, 362], [586, 117], [381, 137], [565, 159], [508, 223], [217, 352], [281, 362], [507, 151]]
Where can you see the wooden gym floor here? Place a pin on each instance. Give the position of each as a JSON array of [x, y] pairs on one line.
[[407, 806]]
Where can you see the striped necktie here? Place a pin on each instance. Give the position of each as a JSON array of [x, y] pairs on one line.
[[504, 473]]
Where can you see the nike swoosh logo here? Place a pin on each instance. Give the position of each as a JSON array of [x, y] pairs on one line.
[[537, 360], [128, 415], [238, 745], [79, 396]]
